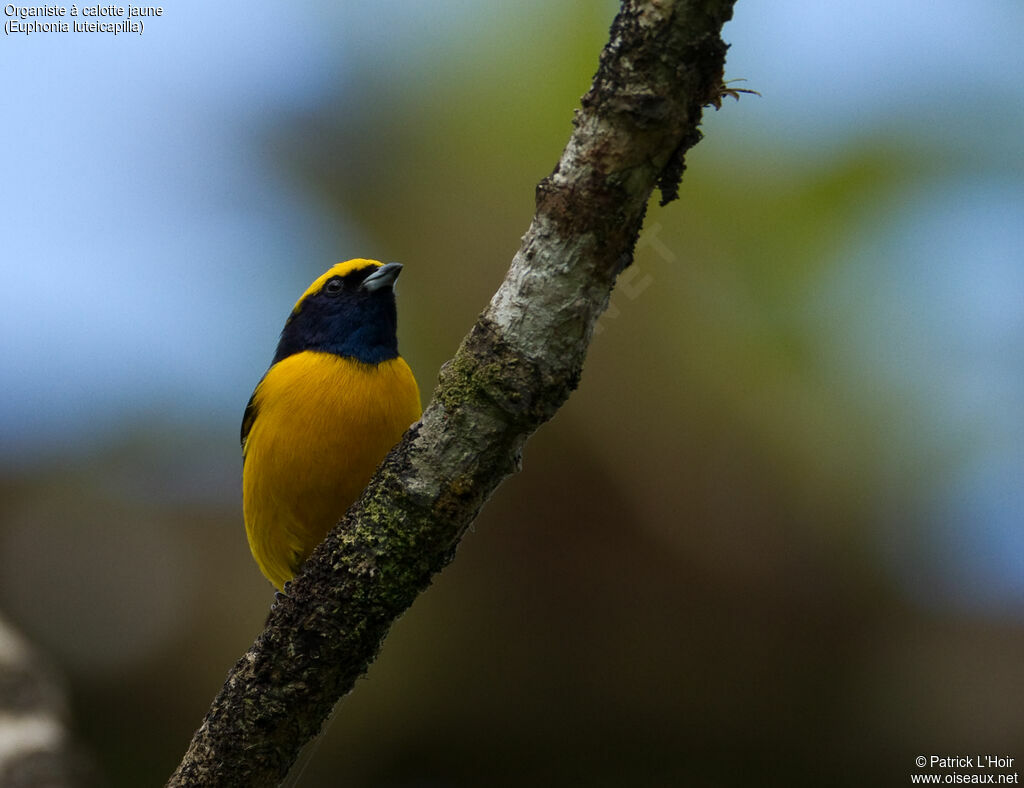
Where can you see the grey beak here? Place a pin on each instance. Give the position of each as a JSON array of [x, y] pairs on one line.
[[384, 276]]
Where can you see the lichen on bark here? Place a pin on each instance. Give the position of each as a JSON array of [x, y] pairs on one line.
[[512, 372]]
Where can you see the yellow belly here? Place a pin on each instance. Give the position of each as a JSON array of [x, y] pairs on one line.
[[323, 424]]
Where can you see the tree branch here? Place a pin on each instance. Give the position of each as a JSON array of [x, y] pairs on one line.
[[36, 745], [663, 63]]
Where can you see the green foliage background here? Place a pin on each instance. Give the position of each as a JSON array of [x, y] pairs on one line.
[[700, 576]]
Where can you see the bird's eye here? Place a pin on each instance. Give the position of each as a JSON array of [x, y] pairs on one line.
[[333, 287]]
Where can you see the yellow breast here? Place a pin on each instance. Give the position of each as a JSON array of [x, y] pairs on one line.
[[323, 424]]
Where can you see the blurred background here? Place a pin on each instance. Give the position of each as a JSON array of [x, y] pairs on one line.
[[775, 538]]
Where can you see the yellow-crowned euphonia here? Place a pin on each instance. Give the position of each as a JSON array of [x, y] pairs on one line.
[[335, 400]]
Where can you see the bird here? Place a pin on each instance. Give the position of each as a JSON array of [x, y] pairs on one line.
[[336, 398]]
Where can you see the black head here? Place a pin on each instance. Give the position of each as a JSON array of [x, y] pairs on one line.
[[349, 311]]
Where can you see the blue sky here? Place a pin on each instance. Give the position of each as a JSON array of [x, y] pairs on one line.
[[132, 196]]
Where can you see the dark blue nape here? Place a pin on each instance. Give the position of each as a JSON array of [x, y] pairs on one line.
[[355, 323]]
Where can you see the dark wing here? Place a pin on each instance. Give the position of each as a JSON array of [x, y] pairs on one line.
[[249, 418]]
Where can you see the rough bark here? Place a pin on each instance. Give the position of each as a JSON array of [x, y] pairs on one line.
[[663, 63]]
